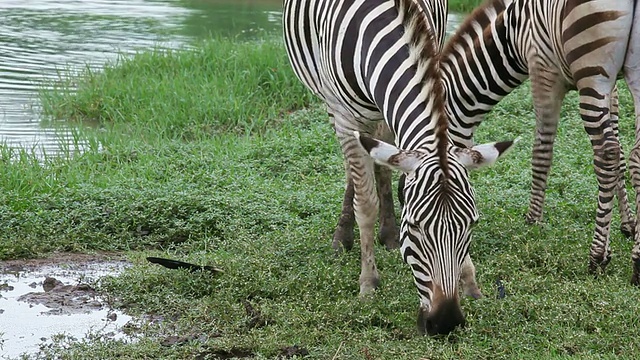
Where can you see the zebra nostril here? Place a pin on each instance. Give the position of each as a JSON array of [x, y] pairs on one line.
[[431, 327], [444, 318]]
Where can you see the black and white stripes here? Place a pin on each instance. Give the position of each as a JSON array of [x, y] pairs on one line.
[[560, 45], [377, 60]]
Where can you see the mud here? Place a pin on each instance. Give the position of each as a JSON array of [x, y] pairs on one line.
[[291, 351], [233, 353], [44, 297]]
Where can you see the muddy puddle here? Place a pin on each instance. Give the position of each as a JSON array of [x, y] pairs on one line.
[[40, 299]]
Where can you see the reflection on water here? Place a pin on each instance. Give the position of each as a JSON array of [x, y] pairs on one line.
[[232, 18], [38, 38]]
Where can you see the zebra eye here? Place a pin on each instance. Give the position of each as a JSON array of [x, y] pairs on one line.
[[413, 227]]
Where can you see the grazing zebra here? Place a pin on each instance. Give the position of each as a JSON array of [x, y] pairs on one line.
[[374, 60], [388, 233], [561, 45]]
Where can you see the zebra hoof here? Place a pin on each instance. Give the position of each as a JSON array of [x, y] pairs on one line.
[[368, 287], [594, 265], [599, 262], [473, 293], [628, 229], [342, 240], [635, 278], [389, 237], [531, 219]]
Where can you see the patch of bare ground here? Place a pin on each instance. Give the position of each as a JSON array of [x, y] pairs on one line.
[[74, 260]]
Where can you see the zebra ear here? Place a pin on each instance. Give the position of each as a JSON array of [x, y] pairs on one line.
[[389, 155], [483, 155]]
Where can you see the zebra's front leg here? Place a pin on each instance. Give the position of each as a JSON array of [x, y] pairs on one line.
[[389, 234], [627, 221], [547, 90], [468, 279], [365, 207]]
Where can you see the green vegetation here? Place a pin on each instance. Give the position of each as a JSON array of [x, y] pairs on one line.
[[464, 6], [193, 162], [220, 86]]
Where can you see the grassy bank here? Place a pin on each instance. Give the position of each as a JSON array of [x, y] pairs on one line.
[[464, 6], [220, 87], [153, 113], [259, 198]]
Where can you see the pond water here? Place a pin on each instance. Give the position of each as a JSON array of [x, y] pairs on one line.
[[40, 38]]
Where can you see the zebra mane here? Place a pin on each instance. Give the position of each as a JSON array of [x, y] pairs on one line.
[[480, 17], [423, 45]]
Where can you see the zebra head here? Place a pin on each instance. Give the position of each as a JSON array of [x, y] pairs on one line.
[[438, 214]]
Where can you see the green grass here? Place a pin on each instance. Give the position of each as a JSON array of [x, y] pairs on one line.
[[221, 86], [261, 201], [464, 6]]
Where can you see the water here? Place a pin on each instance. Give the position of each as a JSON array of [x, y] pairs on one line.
[[38, 38], [26, 324]]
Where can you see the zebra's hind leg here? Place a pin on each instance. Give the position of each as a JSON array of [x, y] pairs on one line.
[[627, 221], [389, 234], [547, 91], [634, 169], [632, 77], [343, 234], [606, 161]]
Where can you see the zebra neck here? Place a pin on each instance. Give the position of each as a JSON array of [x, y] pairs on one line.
[[410, 110], [398, 68], [483, 62], [517, 23]]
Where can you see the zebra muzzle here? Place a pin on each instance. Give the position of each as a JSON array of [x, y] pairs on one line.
[[445, 315]]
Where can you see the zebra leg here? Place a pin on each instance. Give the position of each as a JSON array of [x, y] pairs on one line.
[[343, 234], [365, 203], [547, 91], [627, 221], [634, 169], [632, 77], [594, 107], [468, 279], [389, 234]]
